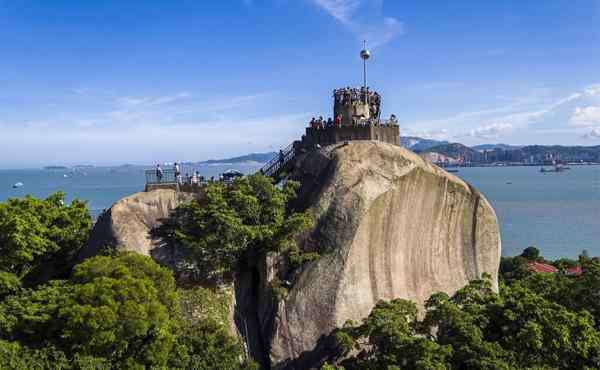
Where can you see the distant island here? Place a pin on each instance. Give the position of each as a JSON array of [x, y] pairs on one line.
[[248, 158], [502, 154], [56, 168], [456, 154], [443, 153]]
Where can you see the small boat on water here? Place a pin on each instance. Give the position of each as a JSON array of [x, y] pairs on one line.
[[556, 167], [452, 170], [17, 185]]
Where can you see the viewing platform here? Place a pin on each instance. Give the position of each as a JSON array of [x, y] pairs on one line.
[[386, 132], [190, 182], [356, 116]]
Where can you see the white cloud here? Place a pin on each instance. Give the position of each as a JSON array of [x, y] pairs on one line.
[[134, 102], [147, 137], [491, 131], [442, 134], [342, 10], [593, 90], [594, 134], [539, 108], [586, 117], [364, 18]]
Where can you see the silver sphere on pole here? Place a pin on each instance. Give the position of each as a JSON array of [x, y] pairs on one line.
[[365, 54]]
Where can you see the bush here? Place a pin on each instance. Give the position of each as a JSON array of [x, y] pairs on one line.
[[39, 236], [230, 222]]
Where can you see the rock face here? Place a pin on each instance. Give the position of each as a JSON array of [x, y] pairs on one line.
[[126, 225], [390, 225], [394, 226]]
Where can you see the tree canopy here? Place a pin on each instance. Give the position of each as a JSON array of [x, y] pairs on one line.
[[232, 221], [536, 321], [110, 312], [121, 312], [39, 235]]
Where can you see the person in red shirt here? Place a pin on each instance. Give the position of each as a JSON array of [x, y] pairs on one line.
[[338, 120]]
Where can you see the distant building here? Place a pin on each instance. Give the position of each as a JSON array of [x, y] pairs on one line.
[[541, 267], [574, 271]]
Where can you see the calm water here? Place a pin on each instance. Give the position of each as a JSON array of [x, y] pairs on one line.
[[100, 186], [559, 212]]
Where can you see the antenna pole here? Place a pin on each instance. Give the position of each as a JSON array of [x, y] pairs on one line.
[[365, 67], [365, 54]]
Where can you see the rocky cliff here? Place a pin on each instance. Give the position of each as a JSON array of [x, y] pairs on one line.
[[127, 224], [388, 225], [393, 226]]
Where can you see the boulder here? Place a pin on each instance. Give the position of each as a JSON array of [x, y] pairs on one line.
[[391, 225], [388, 225], [127, 224]]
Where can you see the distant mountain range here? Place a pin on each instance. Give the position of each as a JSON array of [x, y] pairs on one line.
[[419, 144], [476, 153], [530, 154], [252, 157], [483, 147]]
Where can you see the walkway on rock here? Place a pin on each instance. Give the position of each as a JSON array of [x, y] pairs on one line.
[[280, 164]]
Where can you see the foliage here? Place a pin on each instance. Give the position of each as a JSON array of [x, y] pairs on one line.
[[204, 341], [120, 309], [522, 327], [117, 312], [207, 345], [564, 263], [531, 253], [230, 222], [391, 330], [513, 268], [38, 234]]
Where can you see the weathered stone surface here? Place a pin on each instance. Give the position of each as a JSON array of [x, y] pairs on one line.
[[395, 226], [127, 224], [392, 224]]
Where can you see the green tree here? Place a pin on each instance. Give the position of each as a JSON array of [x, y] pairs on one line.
[[232, 221], [117, 312], [39, 237], [392, 333], [531, 253], [513, 268], [122, 309]]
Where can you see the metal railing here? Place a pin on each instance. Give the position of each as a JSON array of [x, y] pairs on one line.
[[272, 167], [168, 177]]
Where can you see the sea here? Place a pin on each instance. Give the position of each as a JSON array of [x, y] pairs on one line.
[[559, 213]]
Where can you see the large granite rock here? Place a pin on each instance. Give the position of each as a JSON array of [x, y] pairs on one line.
[[388, 223], [394, 226], [127, 224]]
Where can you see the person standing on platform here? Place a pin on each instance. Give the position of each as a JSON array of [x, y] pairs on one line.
[[159, 173], [177, 170], [338, 120]]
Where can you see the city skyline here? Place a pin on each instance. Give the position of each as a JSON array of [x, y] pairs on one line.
[[145, 81]]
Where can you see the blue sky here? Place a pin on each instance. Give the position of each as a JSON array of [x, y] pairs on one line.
[[110, 82]]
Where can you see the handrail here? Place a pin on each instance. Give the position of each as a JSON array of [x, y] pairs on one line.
[[277, 162]]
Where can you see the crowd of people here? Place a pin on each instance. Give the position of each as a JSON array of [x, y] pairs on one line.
[[193, 179], [347, 95], [321, 123]]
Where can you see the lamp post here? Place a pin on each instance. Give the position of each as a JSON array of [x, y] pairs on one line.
[[365, 54]]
